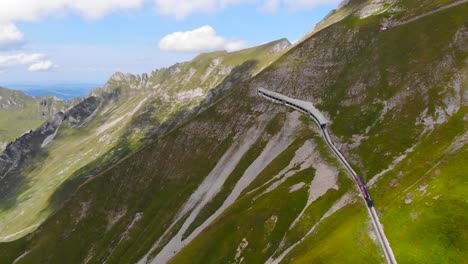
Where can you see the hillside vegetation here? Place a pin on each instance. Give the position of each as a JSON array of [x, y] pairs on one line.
[[128, 112], [239, 179], [20, 113]]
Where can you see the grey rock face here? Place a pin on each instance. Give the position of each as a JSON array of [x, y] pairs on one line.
[[78, 114], [9, 103], [23, 150], [18, 153], [282, 45], [343, 3], [174, 69], [121, 77]]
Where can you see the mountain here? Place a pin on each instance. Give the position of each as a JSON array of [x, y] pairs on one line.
[[42, 168], [19, 113], [241, 179]]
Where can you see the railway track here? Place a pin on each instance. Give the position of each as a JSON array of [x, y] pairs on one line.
[[308, 109]]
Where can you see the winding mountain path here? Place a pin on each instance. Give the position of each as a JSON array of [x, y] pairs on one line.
[[308, 109]]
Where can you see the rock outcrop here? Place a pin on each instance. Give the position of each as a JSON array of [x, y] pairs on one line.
[[17, 154]]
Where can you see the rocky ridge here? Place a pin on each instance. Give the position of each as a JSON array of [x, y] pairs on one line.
[[114, 121], [20, 113]]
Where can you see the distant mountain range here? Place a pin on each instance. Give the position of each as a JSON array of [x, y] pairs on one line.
[[65, 91]]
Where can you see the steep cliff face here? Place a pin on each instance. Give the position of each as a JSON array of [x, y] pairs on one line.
[[128, 112], [22, 151], [20, 113], [243, 180]]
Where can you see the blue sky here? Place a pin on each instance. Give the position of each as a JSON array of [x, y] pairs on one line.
[[62, 43]]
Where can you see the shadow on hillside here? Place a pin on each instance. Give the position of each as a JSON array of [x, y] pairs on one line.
[[123, 148], [27, 152], [20, 156]]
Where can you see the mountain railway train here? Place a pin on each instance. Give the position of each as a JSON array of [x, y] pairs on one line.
[[322, 122], [363, 190]]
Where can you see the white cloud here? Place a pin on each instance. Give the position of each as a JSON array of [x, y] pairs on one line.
[[36, 61], [297, 5], [201, 39], [270, 5], [29, 10], [20, 59], [42, 66], [183, 8], [14, 10], [10, 37]]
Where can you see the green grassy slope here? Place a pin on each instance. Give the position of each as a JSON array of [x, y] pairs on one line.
[[411, 100], [20, 113], [100, 214], [131, 113], [424, 198], [413, 77], [384, 103], [341, 238], [265, 220], [156, 188]]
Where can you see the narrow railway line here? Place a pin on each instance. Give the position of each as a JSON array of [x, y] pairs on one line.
[[309, 109]]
